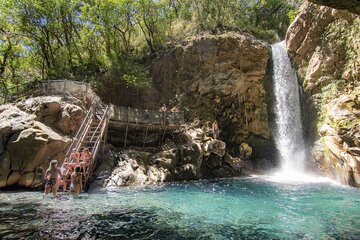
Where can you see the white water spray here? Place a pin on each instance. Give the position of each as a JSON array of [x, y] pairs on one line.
[[288, 133]]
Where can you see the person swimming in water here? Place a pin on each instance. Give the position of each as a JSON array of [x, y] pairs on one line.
[[76, 181], [52, 177]]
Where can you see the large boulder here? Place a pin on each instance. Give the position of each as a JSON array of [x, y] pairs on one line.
[[39, 145], [27, 145], [63, 114]]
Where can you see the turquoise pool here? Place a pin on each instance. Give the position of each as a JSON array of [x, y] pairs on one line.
[[249, 208]]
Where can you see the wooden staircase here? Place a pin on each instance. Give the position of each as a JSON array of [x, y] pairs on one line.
[[90, 135]]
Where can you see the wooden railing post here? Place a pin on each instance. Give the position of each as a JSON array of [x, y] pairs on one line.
[[64, 87], [128, 116], [86, 90]]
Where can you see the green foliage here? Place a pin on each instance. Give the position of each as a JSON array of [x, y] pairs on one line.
[[328, 93], [81, 38], [292, 15]]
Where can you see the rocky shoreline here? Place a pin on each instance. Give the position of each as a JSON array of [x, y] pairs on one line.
[[40, 129]]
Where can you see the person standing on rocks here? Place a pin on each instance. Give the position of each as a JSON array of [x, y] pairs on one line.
[[147, 116], [174, 114], [52, 177], [215, 130]]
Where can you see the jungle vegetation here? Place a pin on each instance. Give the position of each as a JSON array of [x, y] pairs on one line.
[[91, 39]]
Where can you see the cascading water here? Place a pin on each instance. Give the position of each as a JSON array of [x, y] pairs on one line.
[[288, 131]]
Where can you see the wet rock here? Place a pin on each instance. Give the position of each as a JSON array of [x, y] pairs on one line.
[[13, 178], [215, 146], [245, 151], [187, 172], [26, 179], [4, 168]]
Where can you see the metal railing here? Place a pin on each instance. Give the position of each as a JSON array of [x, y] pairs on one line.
[[21, 91], [83, 91], [145, 116], [80, 132]]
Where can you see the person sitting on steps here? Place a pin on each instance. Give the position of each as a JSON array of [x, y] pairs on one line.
[[76, 181], [73, 161], [70, 164], [85, 159], [52, 177]]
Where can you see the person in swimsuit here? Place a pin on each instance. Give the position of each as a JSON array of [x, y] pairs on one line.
[[85, 159], [74, 156], [52, 177], [76, 181], [73, 161]]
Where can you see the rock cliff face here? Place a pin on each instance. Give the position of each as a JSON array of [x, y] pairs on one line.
[[324, 45], [32, 134], [219, 77], [338, 150]]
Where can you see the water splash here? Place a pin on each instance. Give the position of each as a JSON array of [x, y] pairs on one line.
[[295, 177], [288, 133]]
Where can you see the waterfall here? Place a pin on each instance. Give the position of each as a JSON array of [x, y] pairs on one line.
[[288, 130]]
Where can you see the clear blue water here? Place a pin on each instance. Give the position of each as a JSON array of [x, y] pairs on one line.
[[248, 208]]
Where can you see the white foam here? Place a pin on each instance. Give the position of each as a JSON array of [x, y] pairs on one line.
[[295, 177]]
